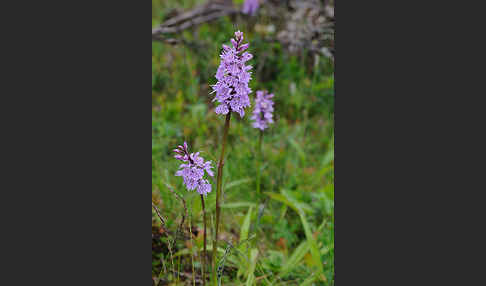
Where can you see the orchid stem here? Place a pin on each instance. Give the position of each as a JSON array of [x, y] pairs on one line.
[[204, 250], [258, 164], [218, 197]]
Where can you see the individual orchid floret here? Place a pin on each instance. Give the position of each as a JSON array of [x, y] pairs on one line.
[[250, 7], [263, 111], [233, 76], [193, 170]]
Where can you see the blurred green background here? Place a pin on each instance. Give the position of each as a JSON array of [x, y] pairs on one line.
[[295, 236]]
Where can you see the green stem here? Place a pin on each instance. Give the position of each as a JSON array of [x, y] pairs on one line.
[[218, 196], [258, 164], [258, 192], [204, 252], [192, 244]]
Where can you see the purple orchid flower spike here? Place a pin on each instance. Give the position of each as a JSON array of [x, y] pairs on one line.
[[263, 111], [233, 76], [250, 7], [193, 170]]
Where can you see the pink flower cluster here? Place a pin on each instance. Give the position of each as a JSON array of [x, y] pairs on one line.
[[233, 76], [263, 112], [193, 170]]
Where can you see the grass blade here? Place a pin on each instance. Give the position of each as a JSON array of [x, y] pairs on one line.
[[316, 256], [236, 183], [297, 206], [297, 147], [253, 259], [238, 205], [286, 198], [295, 258], [308, 281], [245, 227]]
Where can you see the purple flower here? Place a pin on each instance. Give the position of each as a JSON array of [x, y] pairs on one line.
[[193, 171], [263, 111], [250, 7], [233, 76]]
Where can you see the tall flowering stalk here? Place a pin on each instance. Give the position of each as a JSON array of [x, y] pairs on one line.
[[232, 93], [262, 116], [192, 173]]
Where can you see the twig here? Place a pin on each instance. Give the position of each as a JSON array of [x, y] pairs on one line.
[[158, 213], [179, 228], [166, 234], [185, 210], [169, 246], [199, 15]]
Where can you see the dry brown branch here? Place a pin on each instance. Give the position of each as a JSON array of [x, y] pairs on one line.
[[186, 20], [310, 24]]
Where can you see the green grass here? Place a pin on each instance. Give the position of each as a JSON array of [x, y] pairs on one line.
[[293, 243]]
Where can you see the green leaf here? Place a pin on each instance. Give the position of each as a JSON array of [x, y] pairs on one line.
[[297, 206], [282, 199], [329, 157], [295, 258], [308, 281], [245, 227], [253, 259], [238, 205], [325, 170], [288, 199], [236, 183], [326, 161], [297, 147], [300, 205], [316, 256]]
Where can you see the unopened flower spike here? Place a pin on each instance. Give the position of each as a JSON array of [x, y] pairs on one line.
[[233, 76], [263, 111], [193, 170]]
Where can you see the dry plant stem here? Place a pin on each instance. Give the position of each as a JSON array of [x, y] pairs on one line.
[[218, 197], [158, 213], [180, 225], [166, 234], [185, 210], [204, 250], [168, 239]]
